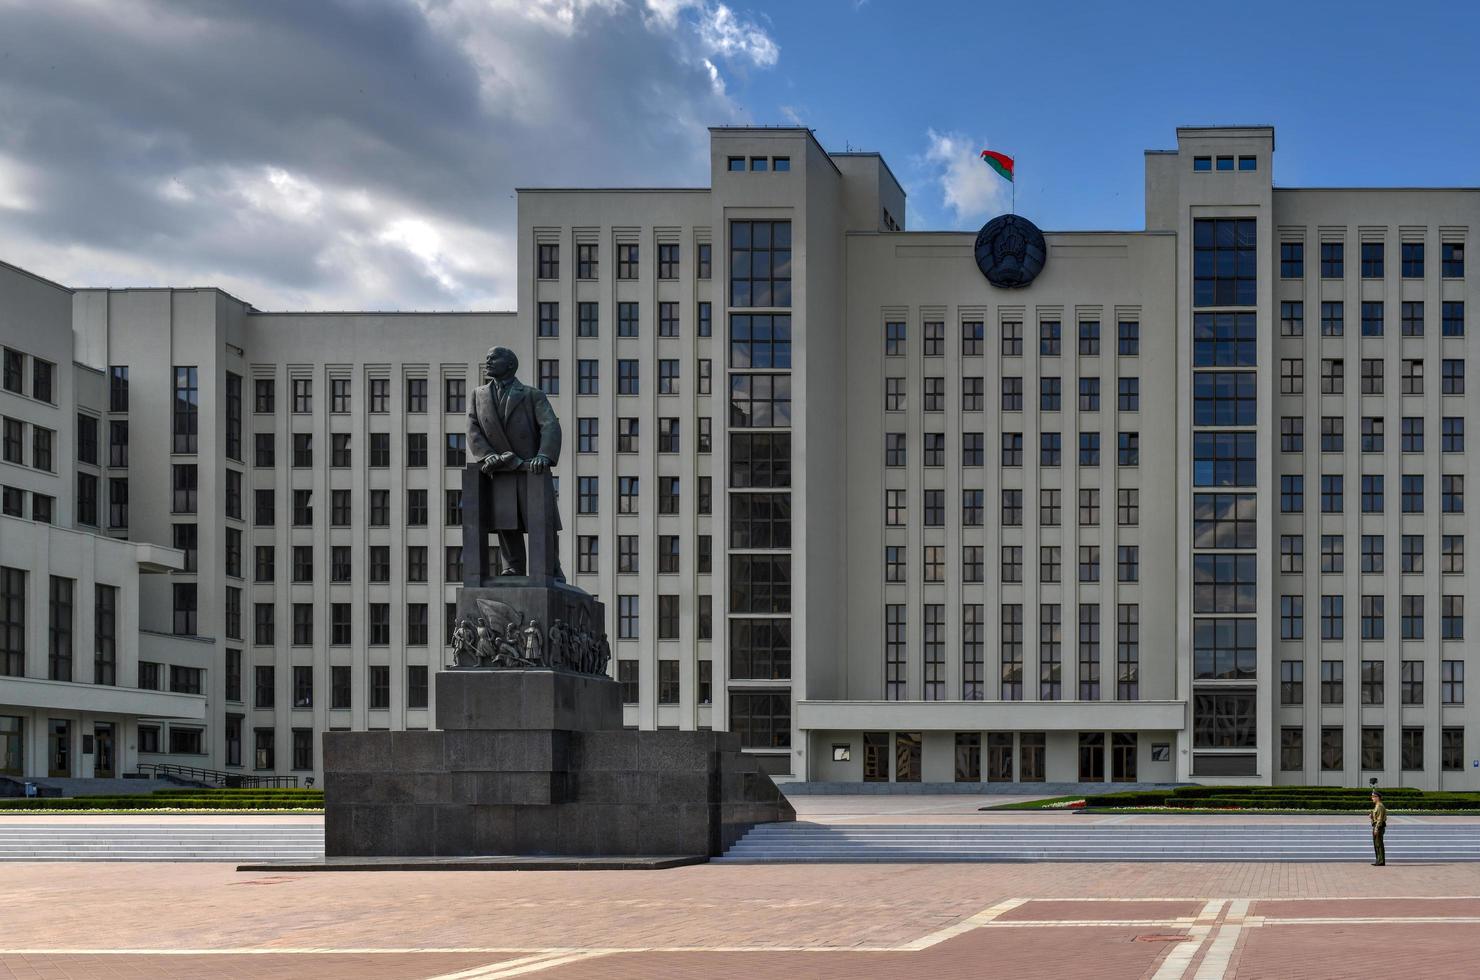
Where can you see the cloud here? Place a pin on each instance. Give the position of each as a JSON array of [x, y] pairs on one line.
[[340, 154], [969, 188]]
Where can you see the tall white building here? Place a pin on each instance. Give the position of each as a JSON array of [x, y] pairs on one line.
[[1188, 506]]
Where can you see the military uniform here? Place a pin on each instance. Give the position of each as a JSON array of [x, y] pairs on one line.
[[1379, 827]]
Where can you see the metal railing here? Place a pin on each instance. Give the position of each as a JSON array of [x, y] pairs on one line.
[[215, 777]]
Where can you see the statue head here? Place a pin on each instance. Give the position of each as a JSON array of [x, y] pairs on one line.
[[501, 363]]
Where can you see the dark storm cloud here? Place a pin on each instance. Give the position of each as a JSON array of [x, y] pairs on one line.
[[334, 153]]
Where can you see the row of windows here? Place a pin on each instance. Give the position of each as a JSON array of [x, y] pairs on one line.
[[341, 686], [973, 449], [1333, 376], [1050, 394], [1333, 747], [61, 619], [1050, 338], [1050, 507], [1051, 678], [588, 434], [1373, 497], [746, 532], [1373, 434], [37, 451], [1373, 682], [1224, 163], [759, 164], [1031, 757], [1051, 449], [454, 450], [588, 319], [629, 679], [629, 376], [1373, 554], [13, 504], [14, 376], [1050, 562], [588, 260], [1373, 617], [1374, 317], [1373, 260], [264, 400]]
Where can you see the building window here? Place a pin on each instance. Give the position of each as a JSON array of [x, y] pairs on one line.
[[1292, 260], [549, 261], [380, 687], [627, 617], [762, 719], [668, 685], [1412, 319], [1372, 682], [627, 260], [1333, 256], [1224, 262], [1412, 260], [1452, 682], [1372, 260], [1292, 681], [668, 260], [265, 755], [1410, 677], [1452, 749], [380, 624], [1050, 338], [13, 623], [760, 263], [1223, 720], [549, 319], [59, 626], [628, 679], [340, 687], [302, 396]]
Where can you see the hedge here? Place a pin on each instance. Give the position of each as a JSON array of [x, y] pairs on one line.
[[178, 799], [144, 803], [1284, 798]]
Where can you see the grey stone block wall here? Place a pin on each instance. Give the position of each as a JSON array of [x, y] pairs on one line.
[[535, 762]]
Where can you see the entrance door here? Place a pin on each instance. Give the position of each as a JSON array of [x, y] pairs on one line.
[[103, 751], [12, 745], [1091, 757], [59, 751]]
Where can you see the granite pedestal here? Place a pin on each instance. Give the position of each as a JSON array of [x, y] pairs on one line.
[[535, 762]]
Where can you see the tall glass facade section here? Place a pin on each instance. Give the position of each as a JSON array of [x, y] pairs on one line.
[[1225, 449]]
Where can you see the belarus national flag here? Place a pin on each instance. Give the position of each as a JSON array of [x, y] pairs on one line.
[[1000, 162]]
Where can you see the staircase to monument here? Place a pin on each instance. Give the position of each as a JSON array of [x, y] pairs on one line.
[[241, 842], [803, 843]]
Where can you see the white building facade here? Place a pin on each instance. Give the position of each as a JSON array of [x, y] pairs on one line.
[[1189, 506]]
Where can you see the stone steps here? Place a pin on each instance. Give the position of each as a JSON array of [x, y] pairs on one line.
[[857, 843], [111, 842]]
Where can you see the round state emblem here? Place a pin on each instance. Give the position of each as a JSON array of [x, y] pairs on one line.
[[1010, 251]]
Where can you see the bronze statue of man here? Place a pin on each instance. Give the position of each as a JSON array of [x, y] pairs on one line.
[[512, 433]]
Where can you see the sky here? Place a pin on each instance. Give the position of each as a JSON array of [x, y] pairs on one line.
[[363, 154]]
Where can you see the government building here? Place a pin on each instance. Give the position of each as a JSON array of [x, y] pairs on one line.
[[1187, 504]]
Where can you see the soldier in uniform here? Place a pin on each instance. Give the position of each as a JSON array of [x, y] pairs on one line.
[[512, 431], [1379, 827]]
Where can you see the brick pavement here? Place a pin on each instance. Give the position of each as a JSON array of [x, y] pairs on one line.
[[858, 921]]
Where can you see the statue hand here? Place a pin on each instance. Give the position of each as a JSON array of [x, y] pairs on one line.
[[489, 463], [539, 464]]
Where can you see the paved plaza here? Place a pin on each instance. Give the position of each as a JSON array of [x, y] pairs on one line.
[[1113, 920]]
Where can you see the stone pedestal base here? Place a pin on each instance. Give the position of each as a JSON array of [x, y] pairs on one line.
[[535, 762]]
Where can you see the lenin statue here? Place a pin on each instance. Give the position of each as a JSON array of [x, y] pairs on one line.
[[513, 442]]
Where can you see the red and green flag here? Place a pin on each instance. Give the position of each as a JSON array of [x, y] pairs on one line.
[[1000, 162]]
